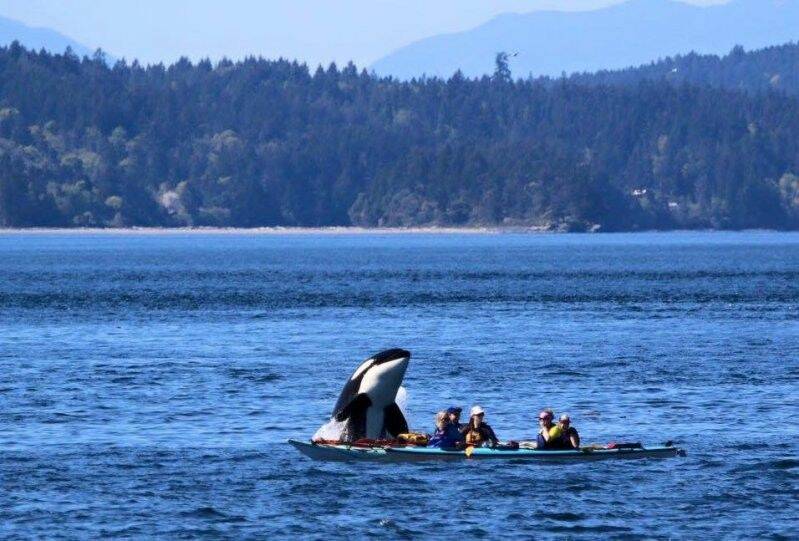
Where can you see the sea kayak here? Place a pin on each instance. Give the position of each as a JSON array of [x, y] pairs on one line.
[[340, 452]]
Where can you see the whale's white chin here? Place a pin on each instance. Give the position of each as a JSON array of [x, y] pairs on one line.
[[382, 382]]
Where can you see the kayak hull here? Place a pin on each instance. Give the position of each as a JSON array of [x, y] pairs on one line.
[[330, 452], [338, 452], [582, 455]]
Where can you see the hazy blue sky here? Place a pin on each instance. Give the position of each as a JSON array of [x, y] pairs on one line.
[[317, 31]]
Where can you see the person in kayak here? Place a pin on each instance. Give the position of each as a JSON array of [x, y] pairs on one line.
[[438, 437], [547, 431], [569, 437], [456, 431], [448, 432], [478, 432], [455, 418]]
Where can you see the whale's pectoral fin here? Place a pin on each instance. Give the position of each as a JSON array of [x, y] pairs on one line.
[[394, 421], [356, 409]]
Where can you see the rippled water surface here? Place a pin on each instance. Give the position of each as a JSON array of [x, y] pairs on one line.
[[148, 383]]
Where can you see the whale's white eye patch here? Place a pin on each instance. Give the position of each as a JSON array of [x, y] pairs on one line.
[[363, 368]]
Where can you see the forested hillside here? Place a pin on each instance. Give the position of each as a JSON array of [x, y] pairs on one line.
[[260, 143], [772, 68]]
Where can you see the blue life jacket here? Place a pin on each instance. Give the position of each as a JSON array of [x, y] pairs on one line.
[[449, 437]]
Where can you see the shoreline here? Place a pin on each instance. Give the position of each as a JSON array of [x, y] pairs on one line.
[[274, 231], [346, 230]]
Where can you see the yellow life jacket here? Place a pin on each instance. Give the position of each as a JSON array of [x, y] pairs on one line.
[[413, 438], [473, 437]]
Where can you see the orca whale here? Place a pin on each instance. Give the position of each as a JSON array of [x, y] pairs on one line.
[[367, 403]]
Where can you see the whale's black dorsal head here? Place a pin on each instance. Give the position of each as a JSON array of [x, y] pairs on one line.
[[390, 355]]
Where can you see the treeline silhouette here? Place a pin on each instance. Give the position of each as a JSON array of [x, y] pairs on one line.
[[770, 69], [264, 143]]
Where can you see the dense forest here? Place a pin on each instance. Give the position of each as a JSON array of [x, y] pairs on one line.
[[263, 143], [770, 69]]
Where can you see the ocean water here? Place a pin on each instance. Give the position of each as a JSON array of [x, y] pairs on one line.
[[148, 383]]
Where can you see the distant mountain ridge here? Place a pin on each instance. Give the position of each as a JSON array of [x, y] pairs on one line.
[[623, 35], [38, 38]]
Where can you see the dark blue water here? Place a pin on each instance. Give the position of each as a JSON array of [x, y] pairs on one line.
[[148, 383]]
